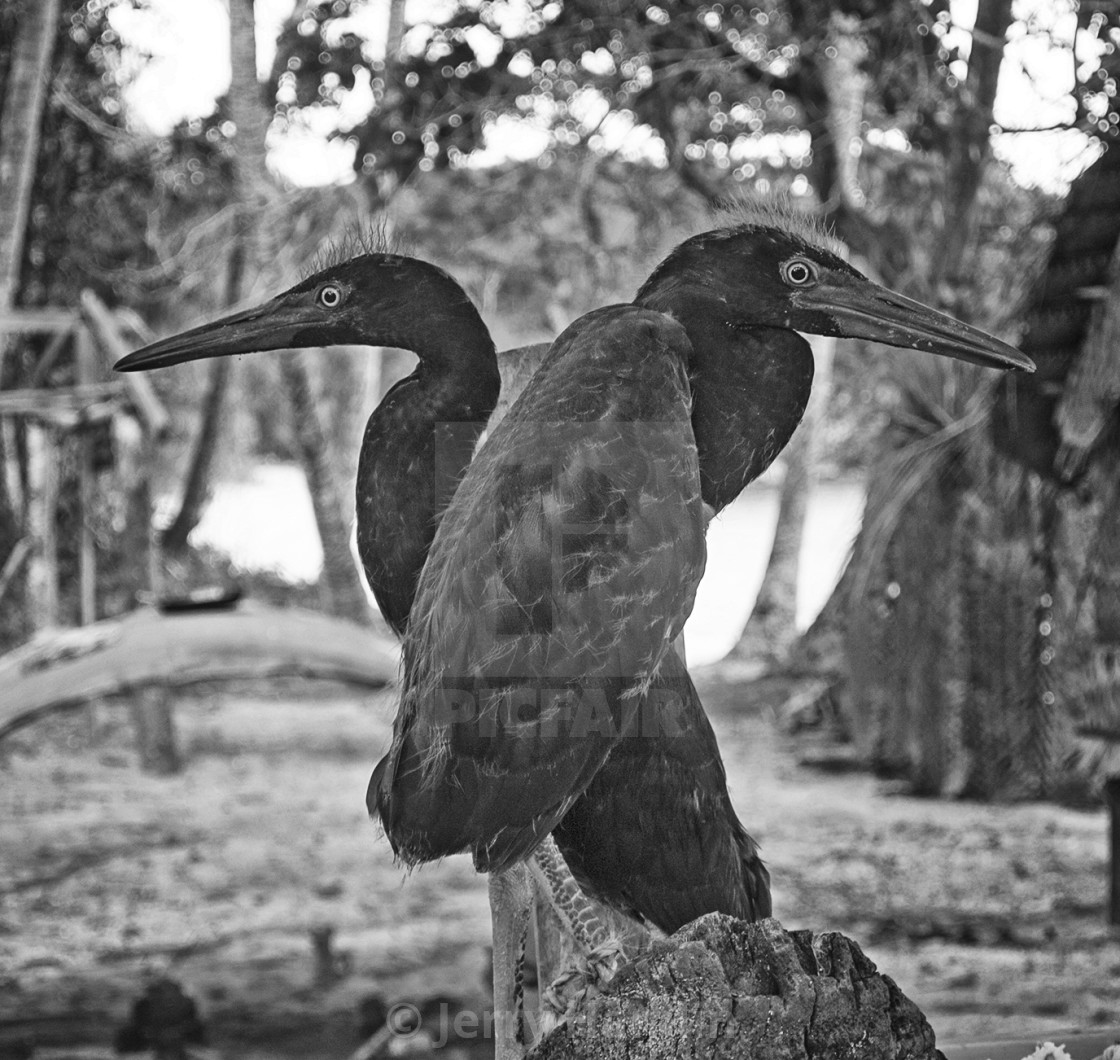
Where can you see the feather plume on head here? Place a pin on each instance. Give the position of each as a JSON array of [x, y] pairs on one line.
[[356, 241], [781, 212]]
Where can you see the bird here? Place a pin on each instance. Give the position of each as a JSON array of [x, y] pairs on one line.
[[750, 377], [378, 298], [420, 438], [403, 485], [742, 290]]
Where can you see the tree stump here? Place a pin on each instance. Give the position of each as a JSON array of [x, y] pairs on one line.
[[723, 988]]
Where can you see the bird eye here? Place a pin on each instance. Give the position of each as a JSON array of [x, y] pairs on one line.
[[330, 296], [798, 272]]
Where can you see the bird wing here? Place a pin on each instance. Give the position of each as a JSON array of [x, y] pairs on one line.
[[559, 576], [655, 834]]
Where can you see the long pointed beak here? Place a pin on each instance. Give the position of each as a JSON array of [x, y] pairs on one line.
[[275, 325], [864, 310]]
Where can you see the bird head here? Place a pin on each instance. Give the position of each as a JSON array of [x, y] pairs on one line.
[[372, 299], [775, 268]]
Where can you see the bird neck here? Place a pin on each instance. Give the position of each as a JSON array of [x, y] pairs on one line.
[[416, 449], [750, 386], [423, 309]]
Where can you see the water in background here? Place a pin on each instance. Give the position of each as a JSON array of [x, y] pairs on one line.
[[739, 541], [266, 522]]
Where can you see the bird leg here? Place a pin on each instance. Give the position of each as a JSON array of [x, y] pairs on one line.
[[556, 949], [510, 899], [601, 950]]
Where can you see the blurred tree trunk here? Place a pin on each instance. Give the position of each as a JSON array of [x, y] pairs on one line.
[[340, 584], [24, 97], [385, 180], [394, 35], [20, 121], [772, 627], [970, 147], [196, 486]]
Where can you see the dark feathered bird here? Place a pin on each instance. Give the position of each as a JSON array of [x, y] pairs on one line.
[[420, 438], [655, 834], [741, 292], [558, 577], [403, 485], [576, 533], [569, 558], [750, 382]]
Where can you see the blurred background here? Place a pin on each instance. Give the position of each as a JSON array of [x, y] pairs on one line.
[[909, 634]]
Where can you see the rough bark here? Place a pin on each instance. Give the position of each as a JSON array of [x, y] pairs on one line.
[[723, 988]]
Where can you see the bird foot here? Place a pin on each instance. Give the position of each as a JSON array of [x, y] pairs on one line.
[[586, 977]]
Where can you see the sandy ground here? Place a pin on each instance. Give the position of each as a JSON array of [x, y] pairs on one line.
[[991, 918]]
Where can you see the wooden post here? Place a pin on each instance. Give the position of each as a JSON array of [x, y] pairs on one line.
[[87, 555], [153, 724], [1112, 800], [16, 558], [9, 455], [42, 474], [105, 328]]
